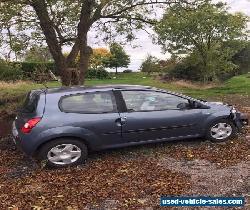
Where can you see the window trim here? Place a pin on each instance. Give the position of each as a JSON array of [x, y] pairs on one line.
[[156, 91], [120, 102], [94, 92]]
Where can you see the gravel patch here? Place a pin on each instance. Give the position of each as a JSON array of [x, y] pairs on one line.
[[209, 180]]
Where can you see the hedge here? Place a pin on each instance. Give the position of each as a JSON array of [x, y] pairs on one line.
[[99, 73], [25, 70], [10, 72], [29, 68]]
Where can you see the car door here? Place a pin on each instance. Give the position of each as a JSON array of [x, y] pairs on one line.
[[152, 115], [97, 113]]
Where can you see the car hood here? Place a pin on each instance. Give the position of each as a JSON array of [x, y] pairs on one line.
[[218, 105]]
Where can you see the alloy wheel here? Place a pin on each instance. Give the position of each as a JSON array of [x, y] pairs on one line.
[[64, 154], [221, 131]]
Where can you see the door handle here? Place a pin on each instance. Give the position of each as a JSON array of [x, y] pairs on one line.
[[121, 121]]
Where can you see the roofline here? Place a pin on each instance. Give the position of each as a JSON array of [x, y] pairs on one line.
[[78, 89], [97, 87]]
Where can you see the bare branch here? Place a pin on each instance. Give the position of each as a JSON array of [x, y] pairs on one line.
[[139, 4], [97, 13], [117, 17]]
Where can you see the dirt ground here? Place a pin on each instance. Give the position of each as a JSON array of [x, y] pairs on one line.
[[130, 178]]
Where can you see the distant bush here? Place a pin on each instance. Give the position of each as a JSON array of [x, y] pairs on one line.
[[156, 66], [97, 73], [184, 71], [150, 64], [242, 60], [30, 68], [127, 71], [191, 68], [10, 71]]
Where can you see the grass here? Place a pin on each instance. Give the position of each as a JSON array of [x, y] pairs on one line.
[[236, 85], [9, 89], [11, 94]]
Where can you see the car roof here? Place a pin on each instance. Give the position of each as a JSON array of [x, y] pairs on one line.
[[82, 89], [95, 88]]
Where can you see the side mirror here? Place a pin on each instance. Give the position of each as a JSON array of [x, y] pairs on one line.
[[196, 105], [183, 106]]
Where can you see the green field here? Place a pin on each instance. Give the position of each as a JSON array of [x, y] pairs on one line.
[[12, 93], [235, 85]]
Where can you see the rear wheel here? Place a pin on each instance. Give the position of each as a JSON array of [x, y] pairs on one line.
[[221, 130], [63, 152]]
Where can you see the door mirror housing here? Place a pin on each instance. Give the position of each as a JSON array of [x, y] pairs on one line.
[[183, 106], [198, 105]]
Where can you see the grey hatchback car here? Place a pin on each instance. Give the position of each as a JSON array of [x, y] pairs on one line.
[[62, 125]]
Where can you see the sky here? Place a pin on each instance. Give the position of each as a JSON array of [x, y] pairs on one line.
[[138, 54], [144, 42]]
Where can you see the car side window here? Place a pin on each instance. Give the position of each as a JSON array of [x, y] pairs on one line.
[[152, 101], [89, 103]]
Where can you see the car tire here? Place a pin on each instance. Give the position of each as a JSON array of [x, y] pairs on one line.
[[63, 152], [221, 130]]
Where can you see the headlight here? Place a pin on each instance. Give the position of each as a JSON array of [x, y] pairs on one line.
[[233, 110]]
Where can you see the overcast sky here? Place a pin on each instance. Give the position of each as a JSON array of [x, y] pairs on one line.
[[146, 47], [144, 42]]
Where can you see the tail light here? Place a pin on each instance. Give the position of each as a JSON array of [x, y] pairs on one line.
[[30, 124]]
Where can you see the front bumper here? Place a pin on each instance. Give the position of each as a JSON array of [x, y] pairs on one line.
[[241, 120]]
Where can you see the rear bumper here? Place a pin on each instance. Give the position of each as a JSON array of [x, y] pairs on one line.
[[16, 141], [19, 141]]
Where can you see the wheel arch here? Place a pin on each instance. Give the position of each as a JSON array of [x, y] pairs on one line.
[[227, 119], [212, 119], [80, 139], [82, 134], [226, 115]]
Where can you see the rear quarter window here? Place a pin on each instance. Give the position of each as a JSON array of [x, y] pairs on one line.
[[31, 101], [89, 103]]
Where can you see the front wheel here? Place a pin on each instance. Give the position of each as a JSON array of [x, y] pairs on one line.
[[221, 130], [63, 152]]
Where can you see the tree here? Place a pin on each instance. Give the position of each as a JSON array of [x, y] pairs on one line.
[[99, 57], [202, 30], [150, 64], [12, 41], [118, 57], [38, 54], [242, 59], [67, 23]]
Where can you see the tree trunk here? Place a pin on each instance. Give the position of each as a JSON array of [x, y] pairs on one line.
[[205, 67], [85, 53], [46, 24], [64, 73], [81, 42], [63, 64], [116, 72], [84, 63]]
